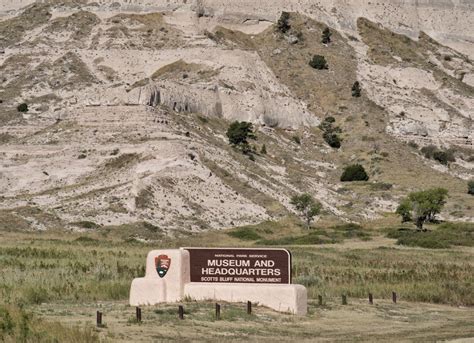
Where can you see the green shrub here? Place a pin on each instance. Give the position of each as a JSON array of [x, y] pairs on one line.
[[239, 133], [283, 23], [444, 157], [470, 187], [356, 90], [332, 139], [444, 236], [263, 151], [296, 139], [245, 234], [318, 62], [330, 134], [326, 36], [354, 172], [429, 150], [23, 108]]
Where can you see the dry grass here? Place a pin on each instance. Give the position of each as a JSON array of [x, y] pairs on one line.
[[63, 279], [79, 26], [18, 325], [357, 321], [12, 30]]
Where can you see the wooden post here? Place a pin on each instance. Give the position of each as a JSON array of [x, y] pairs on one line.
[[320, 300], [181, 312], [344, 299], [249, 307], [139, 314], [371, 299], [218, 311], [394, 297], [99, 319]]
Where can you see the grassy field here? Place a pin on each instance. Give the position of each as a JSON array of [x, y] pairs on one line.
[[67, 279]]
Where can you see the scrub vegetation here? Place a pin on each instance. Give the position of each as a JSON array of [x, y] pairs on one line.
[[81, 270]]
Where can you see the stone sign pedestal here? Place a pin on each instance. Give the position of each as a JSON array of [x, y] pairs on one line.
[[283, 298], [262, 276], [153, 288]]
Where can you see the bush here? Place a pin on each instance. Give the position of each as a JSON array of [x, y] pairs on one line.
[[354, 172], [429, 150], [332, 139], [444, 236], [470, 187], [239, 133], [330, 132], [23, 108], [263, 151], [326, 37], [296, 139], [283, 23], [245, 234], [356, 90], [318, 62], [444, 157]]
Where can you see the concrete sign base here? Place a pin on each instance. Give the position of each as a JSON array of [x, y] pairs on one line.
[[283, 298], [167, 279]]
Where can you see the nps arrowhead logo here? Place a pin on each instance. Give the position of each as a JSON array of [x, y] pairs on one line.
[[162, 264]]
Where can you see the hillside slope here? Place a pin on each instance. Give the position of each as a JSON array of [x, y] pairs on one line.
[[128, 114]]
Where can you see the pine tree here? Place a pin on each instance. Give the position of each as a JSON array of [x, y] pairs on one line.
[[356, 90], [326, 37]]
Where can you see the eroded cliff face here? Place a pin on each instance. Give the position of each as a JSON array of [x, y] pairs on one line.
[[449, 21], [129, 103]]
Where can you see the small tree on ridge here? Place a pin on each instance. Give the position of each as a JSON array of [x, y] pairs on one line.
[[239, 133], [422, 206], [307, 206]]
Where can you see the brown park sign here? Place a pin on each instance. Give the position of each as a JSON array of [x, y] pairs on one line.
[[230, 265]]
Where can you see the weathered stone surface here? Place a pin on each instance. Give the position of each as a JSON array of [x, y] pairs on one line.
[[283, 298]]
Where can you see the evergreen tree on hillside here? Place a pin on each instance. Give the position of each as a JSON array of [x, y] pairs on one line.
[[318, 62], [356, 90], [283, 23], [239, 133], [326, 36]]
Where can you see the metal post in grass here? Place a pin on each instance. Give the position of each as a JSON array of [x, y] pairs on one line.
[[181, 312], [218, 311], [394, 297], [344, 299], [320, 300], [249, 307], [99, 319], [371, 299], [139, 314]]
